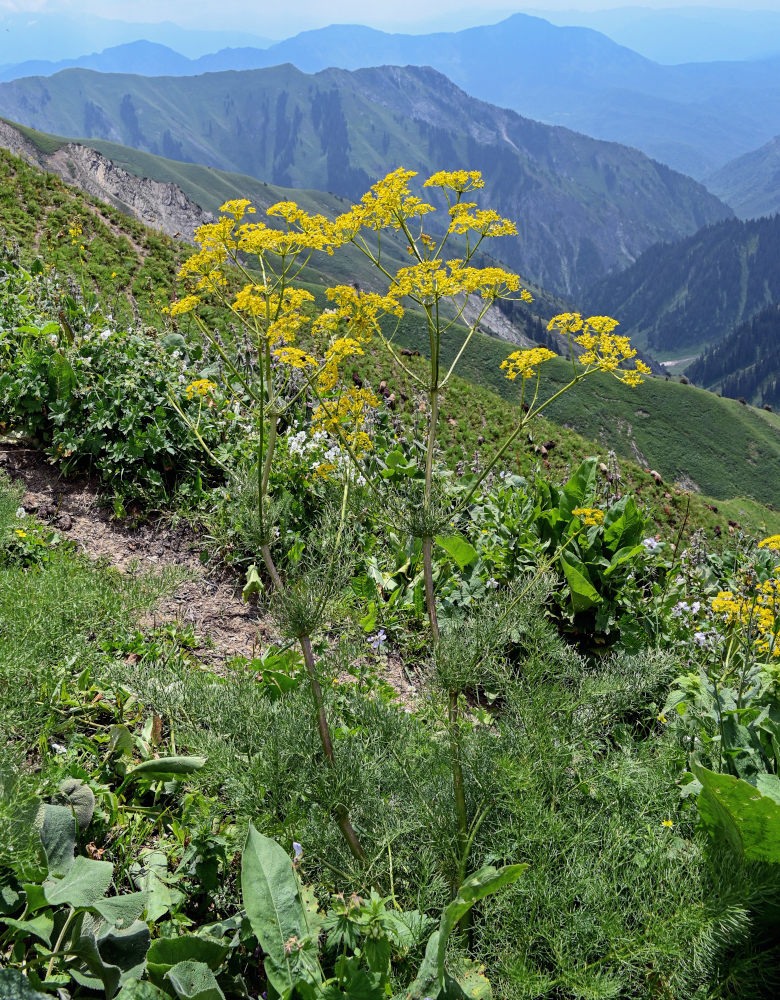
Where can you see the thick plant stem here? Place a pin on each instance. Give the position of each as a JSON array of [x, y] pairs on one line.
[[430, 597], [270, 565], [342, 816]]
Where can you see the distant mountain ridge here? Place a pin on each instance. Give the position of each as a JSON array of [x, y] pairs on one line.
[[746, 363], [689, 295], [751, 183], [693, 117], [583, 207]]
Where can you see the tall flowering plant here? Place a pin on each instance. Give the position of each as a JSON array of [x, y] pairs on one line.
[[251, 268]]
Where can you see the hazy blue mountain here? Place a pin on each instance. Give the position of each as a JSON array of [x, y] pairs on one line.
[[684, 34], [146, 58], [27, 35], [583, 208], [751, 183], [680, 298], [694, 117]]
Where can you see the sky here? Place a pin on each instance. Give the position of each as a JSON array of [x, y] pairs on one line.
[[270, 18]]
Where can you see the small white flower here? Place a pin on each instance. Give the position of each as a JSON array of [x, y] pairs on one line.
[[492, 583], [21, 512], [105, 335], [695, 607], [650, 543]]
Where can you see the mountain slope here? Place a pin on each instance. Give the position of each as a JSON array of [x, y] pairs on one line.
[[682, 297], [683, 432], [583, 207], [746, 363], [694, 117], [751, 183]]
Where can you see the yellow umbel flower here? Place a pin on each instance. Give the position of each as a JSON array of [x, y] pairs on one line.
[[523, 362], [238, 207], [294, 357], [458, 180], [589, 515], [772, 543], [466, 216], [603, 350], [185, 305], [201, 387]]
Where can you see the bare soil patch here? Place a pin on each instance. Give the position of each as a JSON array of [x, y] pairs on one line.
[[209, 600]]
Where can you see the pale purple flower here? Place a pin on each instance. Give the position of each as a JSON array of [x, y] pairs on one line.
[[700, 638], [377, 641], [650, 543], [298, 849]]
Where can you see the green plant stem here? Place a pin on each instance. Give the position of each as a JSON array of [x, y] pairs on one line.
[[430, 597], [65, 928], [342, 815]]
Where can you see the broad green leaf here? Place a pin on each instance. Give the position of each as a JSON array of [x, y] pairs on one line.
[[165, 953], [86, 883], [121, 739], [194, 981], [57, 829], [579, 486], [254, 583], [15, 986], [749, 821], [271, 897], [141, 991], [473, 981], [39, 927], [624, 524], [583, 594], [479, 885], [164, 766], [623, 555], [462, 552], [81, 800], [122, 911]]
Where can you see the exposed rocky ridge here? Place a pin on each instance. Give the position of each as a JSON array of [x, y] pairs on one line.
[[162, 206]]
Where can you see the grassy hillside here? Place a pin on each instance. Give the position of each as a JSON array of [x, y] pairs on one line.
[[690, 436], [727, 450], [750, 184], [583, 207]]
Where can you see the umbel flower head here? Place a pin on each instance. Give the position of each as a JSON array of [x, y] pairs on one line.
[[603, 350]]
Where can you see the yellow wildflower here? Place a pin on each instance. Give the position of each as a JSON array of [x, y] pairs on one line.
[[772, 543], [466, 216], [185, 305], [589, 515], [201, 387], [523, 362], [238, 207], [294, 357], [20, 533], [602, 349], [668, 823], [458, 180]]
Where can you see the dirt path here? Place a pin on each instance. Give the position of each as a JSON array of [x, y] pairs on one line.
[[208, 600]]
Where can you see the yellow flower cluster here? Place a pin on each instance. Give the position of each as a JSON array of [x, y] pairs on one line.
[[432, 279], [523, 362], [385, 206], [347, 416], [772, 543], [75, 232], [589, 515], [238, 208], [185, 305], [362, 310], [201, 387], [603, 350], [294, 357], [466, 216], [458, 180], [341, 348], [758, 611]]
